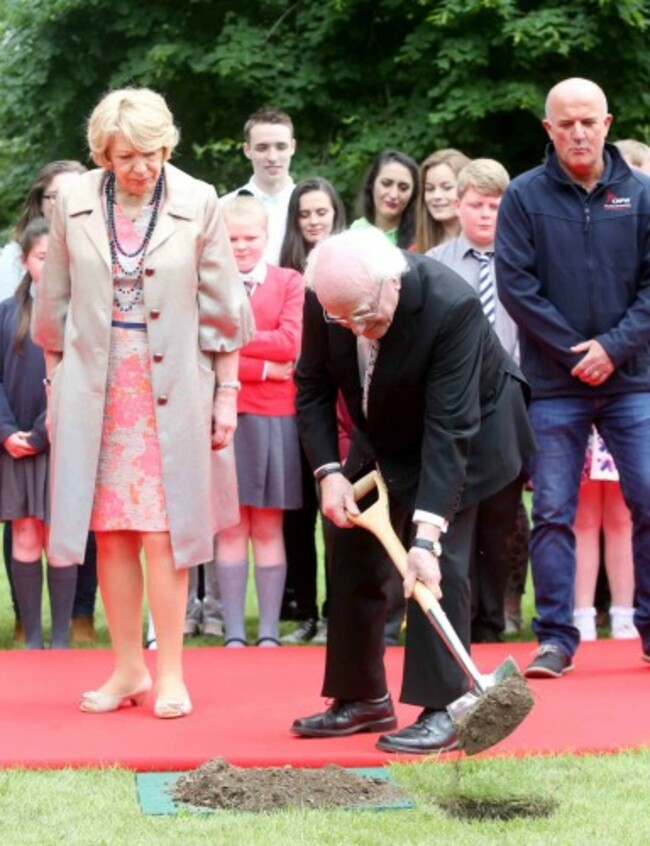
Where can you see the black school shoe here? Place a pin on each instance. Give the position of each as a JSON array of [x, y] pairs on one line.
[[432, 732], [345, 717], [550, 662]]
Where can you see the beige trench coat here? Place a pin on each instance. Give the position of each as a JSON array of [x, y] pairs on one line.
[[196, 307]]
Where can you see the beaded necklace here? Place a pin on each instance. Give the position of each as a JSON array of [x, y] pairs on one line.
[[114, 242]]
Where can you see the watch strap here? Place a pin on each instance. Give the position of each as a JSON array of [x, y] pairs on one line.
[[431, 546]]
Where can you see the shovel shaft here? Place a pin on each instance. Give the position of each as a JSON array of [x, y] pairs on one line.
[[376, 519]]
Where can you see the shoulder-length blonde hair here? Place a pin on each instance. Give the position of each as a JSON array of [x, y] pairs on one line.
[[140, 115], [429, 232]]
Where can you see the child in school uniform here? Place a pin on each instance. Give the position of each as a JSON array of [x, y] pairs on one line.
[[24, 455], [266, 440]]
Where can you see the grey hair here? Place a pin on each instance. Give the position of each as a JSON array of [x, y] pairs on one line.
[[381, 258]]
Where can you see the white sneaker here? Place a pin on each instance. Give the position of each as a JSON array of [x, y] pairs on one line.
[[513, 623], [622, 625], [584, 619]]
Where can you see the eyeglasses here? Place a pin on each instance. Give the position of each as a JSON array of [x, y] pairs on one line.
[[51, 197], [360, 317]]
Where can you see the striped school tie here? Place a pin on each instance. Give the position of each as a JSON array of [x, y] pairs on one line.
[[249, 284], [486, 284]]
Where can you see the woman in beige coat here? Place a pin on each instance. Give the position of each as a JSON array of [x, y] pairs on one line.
[[141, 315]]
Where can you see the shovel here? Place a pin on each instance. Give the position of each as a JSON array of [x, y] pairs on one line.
[[497, 702]]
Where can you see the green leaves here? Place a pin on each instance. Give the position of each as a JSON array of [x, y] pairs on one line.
[[357, 76]]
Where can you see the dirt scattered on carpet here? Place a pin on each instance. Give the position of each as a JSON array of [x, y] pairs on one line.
[[472, 808], [218, 784], [496, 714]]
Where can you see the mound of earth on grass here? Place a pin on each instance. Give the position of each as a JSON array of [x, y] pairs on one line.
[[218, 784]]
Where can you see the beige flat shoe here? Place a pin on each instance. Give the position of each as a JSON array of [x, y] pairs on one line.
[[95, 702]]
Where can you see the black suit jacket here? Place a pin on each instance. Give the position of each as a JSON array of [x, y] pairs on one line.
[[447, 420]]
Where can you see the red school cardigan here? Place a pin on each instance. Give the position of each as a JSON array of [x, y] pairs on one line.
[[277, 307]]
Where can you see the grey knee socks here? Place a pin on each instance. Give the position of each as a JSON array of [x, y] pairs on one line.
[[61, 583], [232, 587], [269, 582], [28, 583]]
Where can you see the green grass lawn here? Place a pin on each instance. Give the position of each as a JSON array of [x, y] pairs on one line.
[[600, 800]]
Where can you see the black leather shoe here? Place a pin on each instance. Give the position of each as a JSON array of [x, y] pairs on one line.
[[433, 731], [345, 717]]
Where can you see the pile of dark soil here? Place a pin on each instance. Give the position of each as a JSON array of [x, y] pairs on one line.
[[497, 714], [218, 784]]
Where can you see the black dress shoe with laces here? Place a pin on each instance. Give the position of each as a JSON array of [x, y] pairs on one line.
[[433, 731], [345, 717]]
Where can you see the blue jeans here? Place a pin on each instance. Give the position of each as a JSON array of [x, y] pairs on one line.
[[562, 427]]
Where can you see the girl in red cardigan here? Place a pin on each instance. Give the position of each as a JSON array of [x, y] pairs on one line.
[[266, 441]]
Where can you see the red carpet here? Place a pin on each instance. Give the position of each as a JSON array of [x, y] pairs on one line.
[[245, 700]]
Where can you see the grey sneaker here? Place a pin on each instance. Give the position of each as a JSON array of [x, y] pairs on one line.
[[213, 627], [320, 638], [190, 627], [550, 662], [303, 634], [192, 618]]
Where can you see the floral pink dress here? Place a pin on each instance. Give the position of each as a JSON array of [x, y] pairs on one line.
[[129, 493]]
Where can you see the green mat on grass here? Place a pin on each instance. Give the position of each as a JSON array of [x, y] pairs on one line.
[[154, 793]]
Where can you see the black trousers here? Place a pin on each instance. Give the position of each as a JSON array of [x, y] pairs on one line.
[[359, 589], [491, 561], [299, 529]]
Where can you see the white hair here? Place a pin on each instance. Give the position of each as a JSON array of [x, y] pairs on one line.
[[370, 246]]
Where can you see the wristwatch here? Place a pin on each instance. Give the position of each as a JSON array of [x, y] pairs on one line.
[[432, 546], [327, 470]]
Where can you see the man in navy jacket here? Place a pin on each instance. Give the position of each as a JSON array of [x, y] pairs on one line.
[[573, 270]]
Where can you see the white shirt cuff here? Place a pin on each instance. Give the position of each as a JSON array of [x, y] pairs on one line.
[[434, 519]]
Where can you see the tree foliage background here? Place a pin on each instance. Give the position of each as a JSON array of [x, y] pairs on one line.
[[357, 76]]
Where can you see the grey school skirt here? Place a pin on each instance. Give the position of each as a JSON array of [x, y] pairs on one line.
[[24, 487], [267, 454]]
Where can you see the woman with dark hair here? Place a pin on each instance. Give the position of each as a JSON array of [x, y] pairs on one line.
[[315, 212], [388, 197], [39, 202]]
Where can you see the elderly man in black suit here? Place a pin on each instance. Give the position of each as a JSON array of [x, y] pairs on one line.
[[439, 407]]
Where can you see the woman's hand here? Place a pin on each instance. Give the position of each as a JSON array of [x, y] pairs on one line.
[[279, 371], [18, 446], [224, 419]]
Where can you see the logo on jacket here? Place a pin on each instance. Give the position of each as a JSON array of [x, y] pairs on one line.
[[614, 203]]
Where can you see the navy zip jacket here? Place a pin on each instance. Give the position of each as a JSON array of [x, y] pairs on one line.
[[572, 266]]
